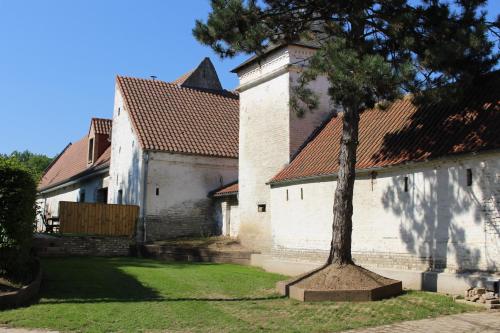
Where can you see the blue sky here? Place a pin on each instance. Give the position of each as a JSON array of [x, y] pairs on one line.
[[59, 59]]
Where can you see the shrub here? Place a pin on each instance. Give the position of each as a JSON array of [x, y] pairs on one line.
[[17, 214]]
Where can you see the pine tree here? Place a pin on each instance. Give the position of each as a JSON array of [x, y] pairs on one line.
[[371, 51]]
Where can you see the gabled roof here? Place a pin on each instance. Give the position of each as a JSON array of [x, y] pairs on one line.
[[72, 164], [101, 126], [172, 118], [406, 133], [181, 79], [202, 77]]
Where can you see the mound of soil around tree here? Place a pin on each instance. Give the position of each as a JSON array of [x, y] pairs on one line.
[[342, 283], [345, 277]]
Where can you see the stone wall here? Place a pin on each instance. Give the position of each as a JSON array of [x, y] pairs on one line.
[[101, 246], [177, 202]]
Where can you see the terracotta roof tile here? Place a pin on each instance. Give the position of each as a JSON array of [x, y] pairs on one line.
[[230, 189], [404, 133], [102, 126], [72, 162], [170, 118]]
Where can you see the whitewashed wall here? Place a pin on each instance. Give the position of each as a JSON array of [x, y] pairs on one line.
[[269, 134], [126, 158], [227, 215], [49, 201], [178, 185], [439, 223]]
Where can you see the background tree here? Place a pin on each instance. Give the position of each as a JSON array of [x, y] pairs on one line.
[[35, 163], [371, 51]]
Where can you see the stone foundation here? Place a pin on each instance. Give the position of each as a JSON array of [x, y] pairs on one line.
[[101, 246]]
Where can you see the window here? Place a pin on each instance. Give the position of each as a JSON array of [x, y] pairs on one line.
[[102, 195], [301, 193], [406, 183], [373, 179], [120, 197], [261, 208], [157, 191], [119, 109], [81, 197], [286, 195], [469, 177], [91, 151]]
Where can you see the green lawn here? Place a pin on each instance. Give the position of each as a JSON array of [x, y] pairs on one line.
[[133, 295]]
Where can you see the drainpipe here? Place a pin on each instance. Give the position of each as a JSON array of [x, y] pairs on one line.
[[144, 193]]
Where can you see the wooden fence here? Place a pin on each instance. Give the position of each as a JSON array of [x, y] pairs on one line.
[[97, 218]]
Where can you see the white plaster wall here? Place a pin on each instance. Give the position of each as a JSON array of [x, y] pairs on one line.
[[263, 150], [183, 183], [227, 215], [125, 172], [270, 133], [440, 217], [49, 201]]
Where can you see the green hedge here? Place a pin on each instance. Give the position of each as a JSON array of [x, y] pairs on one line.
[[17, 214]]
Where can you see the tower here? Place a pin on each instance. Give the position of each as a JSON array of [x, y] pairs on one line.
[[270, 131]]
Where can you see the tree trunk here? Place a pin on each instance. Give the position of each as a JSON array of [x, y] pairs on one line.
[[340, 250]]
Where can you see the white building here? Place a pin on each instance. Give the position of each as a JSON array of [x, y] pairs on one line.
[[427, 192], [171, 144], [80, 172], [426, 197]]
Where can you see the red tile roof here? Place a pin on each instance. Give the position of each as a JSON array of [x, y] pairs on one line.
[[230, 189], [182, 120], [102, 126], [72, 164], [404, 133]]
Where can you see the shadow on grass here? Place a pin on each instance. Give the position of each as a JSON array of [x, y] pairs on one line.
[[102, 280]]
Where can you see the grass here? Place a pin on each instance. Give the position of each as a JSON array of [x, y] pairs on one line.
[[135, 295]]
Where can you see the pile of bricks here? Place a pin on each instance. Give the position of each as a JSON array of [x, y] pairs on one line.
[[483, 296]]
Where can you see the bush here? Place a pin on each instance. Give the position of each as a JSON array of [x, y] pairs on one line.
[[17, 214]]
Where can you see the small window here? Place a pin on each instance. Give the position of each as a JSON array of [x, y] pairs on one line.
[[301, 193], [261, 208], [120, 197], [119, 109], [91, 151], [157, 191], [286, 195], [81, 197], [469, 177], [406, 183]]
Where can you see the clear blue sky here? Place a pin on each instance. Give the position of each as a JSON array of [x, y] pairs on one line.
[[59, 59]]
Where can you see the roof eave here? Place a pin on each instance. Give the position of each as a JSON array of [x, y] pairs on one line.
[[333, 175], [256, 58], [76, 178]]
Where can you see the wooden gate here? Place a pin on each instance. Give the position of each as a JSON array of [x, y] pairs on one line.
[[97, 218]]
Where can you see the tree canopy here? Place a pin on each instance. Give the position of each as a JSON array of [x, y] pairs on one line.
[[35, 163], [371, 51]]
